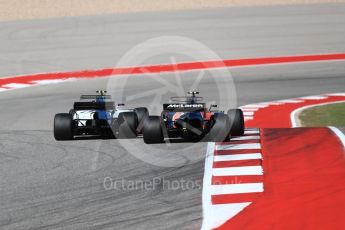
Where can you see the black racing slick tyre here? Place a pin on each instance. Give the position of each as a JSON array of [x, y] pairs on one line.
[[236, 122], [153, 130], [142, 114], [72, 112], [220, 129], [128, 123], [63, 127]]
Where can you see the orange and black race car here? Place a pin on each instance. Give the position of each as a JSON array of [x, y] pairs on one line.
[[188, 117]]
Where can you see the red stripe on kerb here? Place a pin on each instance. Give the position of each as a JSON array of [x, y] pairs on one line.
[[218, 180], [224, 164], [250, 134], [172, 67], [235, 142], [235, 198], [236, 151], [304, 182]]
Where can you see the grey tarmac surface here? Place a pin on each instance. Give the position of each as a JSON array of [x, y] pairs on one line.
[[100, 41], [59, 185]]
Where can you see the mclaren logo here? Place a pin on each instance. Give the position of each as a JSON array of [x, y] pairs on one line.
[[187, 106]]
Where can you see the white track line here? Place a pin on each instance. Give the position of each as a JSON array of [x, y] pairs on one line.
[[219, 214], [236, 188], [290, 101], [295, 122], [340, 134], [255, 107], [337, 94], [238, 171], [238, 146], [214, 215], [237, 157], [208, 220]]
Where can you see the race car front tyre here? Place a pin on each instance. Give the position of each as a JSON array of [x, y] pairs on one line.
[[220, 129], [128, 123], [142, 114], [153, 130], [63, 127], [236, 122]]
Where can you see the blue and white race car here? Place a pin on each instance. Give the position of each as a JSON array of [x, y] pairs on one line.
[[189, 118], [98, 116]]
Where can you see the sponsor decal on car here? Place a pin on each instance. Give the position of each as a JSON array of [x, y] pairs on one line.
[[173, 106]]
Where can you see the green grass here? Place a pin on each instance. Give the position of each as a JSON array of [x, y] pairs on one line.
[[326, 115]]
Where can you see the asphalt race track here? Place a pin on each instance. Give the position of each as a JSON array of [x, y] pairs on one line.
[[59, 185], [55, 45]]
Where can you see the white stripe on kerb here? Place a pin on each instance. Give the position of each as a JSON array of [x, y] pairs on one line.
[[248, 113], [271, 103], [255, 106], [238, 146], [236, 188], [238, 171], [3, 89], [248, 118], [236, 157], [245, 138], [249, 109], [252, 132], [16, 85], [51, 81], [313, 98]]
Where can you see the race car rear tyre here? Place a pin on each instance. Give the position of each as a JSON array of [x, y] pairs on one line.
[[236, 122], [153, 130], [220, 130], [72, 112], [142, 114], [63, 127], [128, 123]]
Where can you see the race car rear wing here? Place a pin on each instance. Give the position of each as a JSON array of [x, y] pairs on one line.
[[94, 97], [186, 99], [180, 107], [92, 105]]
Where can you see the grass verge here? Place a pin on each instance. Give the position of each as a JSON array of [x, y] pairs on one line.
[[325, 115]]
